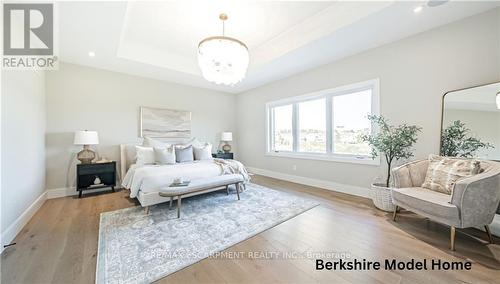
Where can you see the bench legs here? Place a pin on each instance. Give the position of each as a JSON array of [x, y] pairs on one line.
[[179, 199], [179, 204], [238, 190]]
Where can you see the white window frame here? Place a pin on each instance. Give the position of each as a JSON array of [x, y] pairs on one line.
[[328, 94]]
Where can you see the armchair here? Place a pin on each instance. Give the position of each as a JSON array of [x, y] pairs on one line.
[[473, 202]]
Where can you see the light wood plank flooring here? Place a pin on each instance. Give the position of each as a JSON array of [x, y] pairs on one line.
[[59, 244]]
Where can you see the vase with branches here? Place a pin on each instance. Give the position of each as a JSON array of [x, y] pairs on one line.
[[392, 142]]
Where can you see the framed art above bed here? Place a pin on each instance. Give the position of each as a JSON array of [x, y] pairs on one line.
[[165, 123]]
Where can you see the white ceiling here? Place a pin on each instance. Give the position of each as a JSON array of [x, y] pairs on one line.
[[159, 39]]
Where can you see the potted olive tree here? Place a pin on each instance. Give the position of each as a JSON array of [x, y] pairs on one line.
[[392, 143]]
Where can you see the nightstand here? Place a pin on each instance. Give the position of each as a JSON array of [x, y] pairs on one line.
[[87, 173], [223, 156]]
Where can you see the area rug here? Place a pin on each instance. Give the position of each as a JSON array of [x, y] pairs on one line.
[[138, 248]]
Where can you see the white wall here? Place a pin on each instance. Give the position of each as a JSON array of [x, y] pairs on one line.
[[81, 98], [414, 74], [23, 147]]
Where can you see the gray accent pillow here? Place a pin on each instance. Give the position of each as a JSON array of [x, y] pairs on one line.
[[184, 154], [165, 155]]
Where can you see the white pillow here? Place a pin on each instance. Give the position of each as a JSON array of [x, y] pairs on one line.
[[165, 155], [203, 153], [150, 142], [144, 155]]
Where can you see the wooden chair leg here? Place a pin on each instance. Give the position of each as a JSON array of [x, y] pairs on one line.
[[238, 190], [179, 206], [488, 232], [452, 238], [146, 210], [171, 201], [394, 214]]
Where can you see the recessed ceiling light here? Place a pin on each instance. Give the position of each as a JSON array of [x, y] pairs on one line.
[[91, 54], [418, 9]]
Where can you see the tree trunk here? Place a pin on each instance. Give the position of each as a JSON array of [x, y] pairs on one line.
[[389, 162]]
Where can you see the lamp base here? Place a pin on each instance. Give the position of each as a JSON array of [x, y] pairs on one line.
[[86, 155], [226, 148]]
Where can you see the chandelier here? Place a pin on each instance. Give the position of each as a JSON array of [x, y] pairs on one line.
[[222, 59]]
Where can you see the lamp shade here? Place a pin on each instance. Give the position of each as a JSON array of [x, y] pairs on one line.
[[226, 136], [86, 137]]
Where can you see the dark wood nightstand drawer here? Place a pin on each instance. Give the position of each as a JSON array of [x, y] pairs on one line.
[[90, 169], [223, 156], [93, 176]]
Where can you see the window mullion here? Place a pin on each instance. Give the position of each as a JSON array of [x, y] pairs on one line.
[[332, 121], [329, 124], [295, 127], [271, 133]]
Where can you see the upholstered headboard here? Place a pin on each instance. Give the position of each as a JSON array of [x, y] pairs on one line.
[[127, 157]]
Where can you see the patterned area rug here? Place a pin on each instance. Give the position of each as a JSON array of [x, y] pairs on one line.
[[138, 248]]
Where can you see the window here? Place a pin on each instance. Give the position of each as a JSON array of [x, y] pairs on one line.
[[326, 125], [312, 126], [283, 137], [350, 122]]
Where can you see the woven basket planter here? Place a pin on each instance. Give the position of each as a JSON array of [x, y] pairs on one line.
[[381, 196]]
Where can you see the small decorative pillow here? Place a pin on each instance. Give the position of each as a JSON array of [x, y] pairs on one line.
[[144, 155], [203, 153], [443, 172], [184, 154], [165, 155]]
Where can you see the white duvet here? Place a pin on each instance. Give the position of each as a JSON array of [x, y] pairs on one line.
[[150, 178]]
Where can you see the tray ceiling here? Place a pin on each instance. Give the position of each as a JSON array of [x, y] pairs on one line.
[[159, 39]]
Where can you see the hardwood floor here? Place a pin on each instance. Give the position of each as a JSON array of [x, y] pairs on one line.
[[59, 244]]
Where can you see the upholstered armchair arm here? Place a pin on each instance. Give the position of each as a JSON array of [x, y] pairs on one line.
[[477, 197], [410, 174]]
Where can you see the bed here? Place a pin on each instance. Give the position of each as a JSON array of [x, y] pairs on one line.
[[145, 181]]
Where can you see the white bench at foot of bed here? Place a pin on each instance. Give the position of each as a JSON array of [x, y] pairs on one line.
[[200, 186]]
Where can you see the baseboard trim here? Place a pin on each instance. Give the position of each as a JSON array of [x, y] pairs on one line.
[[11, 232], [329, 185], [70, 191]]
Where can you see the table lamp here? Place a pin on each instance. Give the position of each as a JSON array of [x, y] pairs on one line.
[[226, 137], [86, 138]]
